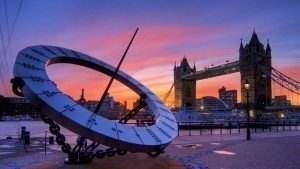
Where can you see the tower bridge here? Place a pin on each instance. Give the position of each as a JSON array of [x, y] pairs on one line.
[[254, 65], [220, 70]]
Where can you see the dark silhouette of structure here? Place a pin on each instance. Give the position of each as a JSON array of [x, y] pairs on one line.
[[254, 65], [253, 58], [15, 106], [82, 100], [185, 89], [228, 96]]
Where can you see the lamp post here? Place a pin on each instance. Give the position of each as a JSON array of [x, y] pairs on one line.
[[247, 87]]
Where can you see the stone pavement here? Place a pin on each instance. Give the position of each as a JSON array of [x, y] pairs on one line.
[[128, 161], [264, 150]]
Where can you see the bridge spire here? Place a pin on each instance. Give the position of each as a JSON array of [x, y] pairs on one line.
[[268, 48], [194, 68], [254, 39], [241, 45]]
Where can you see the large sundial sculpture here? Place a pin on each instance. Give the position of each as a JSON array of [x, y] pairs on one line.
[[31, 80]]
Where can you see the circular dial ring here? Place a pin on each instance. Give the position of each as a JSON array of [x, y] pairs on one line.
[[42, 92]]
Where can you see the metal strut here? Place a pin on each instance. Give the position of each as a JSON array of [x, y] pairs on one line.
[[111, 152], [133, 112], [168, 94], [115, 74]]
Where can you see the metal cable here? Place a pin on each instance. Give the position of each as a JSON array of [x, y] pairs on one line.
[[3, 68], [7, 69], [8, 35], [168, 94], [11, 34]]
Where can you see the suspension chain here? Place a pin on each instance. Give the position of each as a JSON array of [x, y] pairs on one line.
[[80, 153]]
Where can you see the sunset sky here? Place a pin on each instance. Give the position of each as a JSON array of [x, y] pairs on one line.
[[205, 32]]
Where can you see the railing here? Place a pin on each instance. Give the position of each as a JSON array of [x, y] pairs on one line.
[[231, 127]]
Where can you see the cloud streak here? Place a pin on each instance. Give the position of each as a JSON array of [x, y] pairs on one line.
[[206, 32]]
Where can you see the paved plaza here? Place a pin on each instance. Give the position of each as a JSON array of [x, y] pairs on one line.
[[228, 151], [265, 150]]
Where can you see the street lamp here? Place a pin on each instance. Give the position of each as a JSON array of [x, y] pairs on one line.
[[247, 87]]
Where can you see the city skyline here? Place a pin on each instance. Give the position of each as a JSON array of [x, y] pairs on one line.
[[169, 30]]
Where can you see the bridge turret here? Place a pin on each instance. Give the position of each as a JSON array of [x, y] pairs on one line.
[[184, 66], [254, 41], [185, 89], [254, 45], [255, 66]]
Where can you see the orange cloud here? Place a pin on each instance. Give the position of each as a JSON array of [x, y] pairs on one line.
[[150, 60]]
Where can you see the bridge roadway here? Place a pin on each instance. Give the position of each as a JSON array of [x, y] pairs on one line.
[[220, 70]]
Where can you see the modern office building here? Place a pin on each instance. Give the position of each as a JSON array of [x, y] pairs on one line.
[[229, 97], [109, 109]]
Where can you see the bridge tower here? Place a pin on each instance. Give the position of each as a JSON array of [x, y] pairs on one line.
[[255, 66], [185, 89]]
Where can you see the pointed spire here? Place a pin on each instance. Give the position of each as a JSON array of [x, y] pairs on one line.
[[82, 93], [194, 66], [241, 45], [254, 39], [268, 49], [184, 64], [82, 100]]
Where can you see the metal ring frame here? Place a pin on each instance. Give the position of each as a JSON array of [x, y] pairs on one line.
[[34, 83]]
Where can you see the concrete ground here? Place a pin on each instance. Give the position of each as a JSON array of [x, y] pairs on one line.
[[264, 150], [129, 161]]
